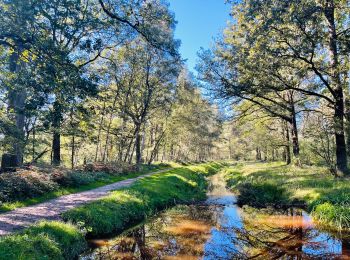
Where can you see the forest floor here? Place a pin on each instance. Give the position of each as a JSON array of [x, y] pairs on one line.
[[52, 209], [281, 186]]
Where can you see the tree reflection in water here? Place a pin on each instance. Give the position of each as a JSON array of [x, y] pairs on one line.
[[218, 229]]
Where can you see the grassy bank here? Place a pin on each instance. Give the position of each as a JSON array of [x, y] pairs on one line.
[[112, 214], [45, 240], [277, 185], [78, 182], [125, 207]]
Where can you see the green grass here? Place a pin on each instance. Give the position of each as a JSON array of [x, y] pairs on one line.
[[112, 214], [45, 240], [125, 207], [274, 184], [8, 206]]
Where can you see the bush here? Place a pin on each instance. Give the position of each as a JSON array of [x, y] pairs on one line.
[[77, 178], [46, 240], [25, 184], [115, 168]]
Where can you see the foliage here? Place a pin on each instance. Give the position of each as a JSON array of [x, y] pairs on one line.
[[285, 61]]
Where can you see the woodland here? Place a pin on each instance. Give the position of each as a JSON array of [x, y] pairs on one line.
[[93, 92]]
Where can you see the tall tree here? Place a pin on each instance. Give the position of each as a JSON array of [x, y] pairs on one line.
[[297, 46]]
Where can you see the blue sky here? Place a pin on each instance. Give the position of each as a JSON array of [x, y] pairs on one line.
[[199, 22]]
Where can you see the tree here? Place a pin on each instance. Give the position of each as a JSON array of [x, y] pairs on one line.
[[145, 83], [296, 46]]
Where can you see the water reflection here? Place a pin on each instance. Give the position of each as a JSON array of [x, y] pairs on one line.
[[218, 229]]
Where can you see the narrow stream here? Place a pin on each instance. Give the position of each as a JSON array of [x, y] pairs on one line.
[[218, 229]]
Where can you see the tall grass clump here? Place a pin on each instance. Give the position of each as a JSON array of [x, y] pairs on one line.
[[45, 240]]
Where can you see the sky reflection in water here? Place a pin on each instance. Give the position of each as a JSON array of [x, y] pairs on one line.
[[218, 229]]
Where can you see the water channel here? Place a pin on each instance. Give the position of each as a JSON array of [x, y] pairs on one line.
[[219, 229]]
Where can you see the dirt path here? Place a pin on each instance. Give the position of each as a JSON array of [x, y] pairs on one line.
[[52, 209]]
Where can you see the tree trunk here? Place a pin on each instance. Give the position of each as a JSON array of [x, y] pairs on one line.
[[100, 130], [347, 107], [33, 143], [73, 151], [17, 97], [258, 154], [138, 143], [287, 147], [56, 140], [338, 94], [294, 127]]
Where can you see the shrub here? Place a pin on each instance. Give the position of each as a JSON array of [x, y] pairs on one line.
[[77, 178], [114, 168], [25, 184]]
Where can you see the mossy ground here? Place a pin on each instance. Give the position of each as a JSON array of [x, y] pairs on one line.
[[275, 184]]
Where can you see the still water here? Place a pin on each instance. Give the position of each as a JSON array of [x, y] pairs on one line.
[[218, 229]]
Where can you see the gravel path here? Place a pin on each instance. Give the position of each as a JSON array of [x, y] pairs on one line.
[[52, 209]]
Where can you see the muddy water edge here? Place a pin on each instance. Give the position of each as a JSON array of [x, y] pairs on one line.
[[219, 229]]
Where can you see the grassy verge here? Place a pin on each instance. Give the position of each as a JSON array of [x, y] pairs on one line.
[[114, 213], [45, 240], [125, 207], [107, 179], [278, 185]]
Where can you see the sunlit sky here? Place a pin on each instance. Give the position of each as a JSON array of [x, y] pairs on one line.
[[199, 22]]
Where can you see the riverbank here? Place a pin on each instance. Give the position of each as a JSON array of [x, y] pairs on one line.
[[218, 228], [276, 185], [112, 214]]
